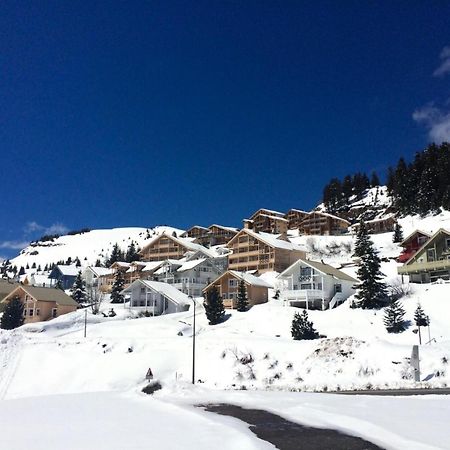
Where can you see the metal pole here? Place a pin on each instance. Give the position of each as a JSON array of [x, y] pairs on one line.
[[193, 347], [85, 321], [429, 334]]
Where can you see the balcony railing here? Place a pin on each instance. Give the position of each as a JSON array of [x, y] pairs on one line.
[[424, 266], [302, 294]]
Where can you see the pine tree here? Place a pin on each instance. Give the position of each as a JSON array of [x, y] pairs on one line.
[[132, 254], [12, 314], [374, 180], [393, 317], [77, 262], [214, 306], [371, 290], [33, 266], [21, 271], [59, 285], [116, 255], [398, 233], [98, 263], [242, 300], [362, 242], [302, 328], [421, 320], [78, 290], [117, 288]]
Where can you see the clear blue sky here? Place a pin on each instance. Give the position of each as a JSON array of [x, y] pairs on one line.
[[144, 113]]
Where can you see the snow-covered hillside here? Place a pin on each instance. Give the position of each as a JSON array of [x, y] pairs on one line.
[[88, 247]]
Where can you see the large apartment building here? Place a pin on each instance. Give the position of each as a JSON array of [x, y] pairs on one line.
[[166, 246], [267, 221], [213, 235], [320, 223], [262, 252]]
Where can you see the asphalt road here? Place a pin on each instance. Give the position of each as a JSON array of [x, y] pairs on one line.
[[286, 435]]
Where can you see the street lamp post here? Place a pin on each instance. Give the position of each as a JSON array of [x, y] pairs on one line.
[[193, 343]]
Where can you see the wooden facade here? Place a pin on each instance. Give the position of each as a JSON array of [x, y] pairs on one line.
[[220, 235], [164, 247], [323, 224], [411, 244], [196, 232], [254, 251], [41, 303], [295, 217], [228, 285], [376, 226], [267, 221]]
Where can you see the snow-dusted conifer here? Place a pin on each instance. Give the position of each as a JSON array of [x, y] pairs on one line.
[[242, 300], [78, 290], [117, 288], [214, 306], [393, 317], [302, 328], [12, 315]]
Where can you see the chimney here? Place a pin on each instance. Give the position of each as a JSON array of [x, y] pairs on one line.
[[248, 224]]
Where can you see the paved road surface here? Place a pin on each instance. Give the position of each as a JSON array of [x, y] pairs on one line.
[[286, 435]]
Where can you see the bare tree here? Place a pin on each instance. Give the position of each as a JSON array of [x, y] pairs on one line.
[[95, 297]]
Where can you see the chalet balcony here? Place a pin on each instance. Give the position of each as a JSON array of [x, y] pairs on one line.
[[302, 294], [424, 267]]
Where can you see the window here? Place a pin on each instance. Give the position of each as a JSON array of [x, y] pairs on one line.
[[447, 242], [305, 286], [337, 288], [431, 254], [31, 312], [38, 312], [54, 312], [232, 282]]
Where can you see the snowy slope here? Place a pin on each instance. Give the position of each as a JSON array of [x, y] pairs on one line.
[[96, 244]]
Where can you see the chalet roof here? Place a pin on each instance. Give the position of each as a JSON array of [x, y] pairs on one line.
[[407, 238], [248, 278], [99, 271], [190, 264], [184, 242], [326, 269], [233, 229], [6, 287], [274, 217], [427, 244], [46, 294], [122, 264], [298, 210], [332, 216], [272, 240], [70, 270], [152, 265], [165, 289], [265, 210]]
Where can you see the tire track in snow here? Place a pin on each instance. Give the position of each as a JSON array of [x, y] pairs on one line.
[[10, 355]]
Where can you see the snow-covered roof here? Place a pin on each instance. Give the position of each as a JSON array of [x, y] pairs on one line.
[[47, 294], [326, 269], [376, 220], [250, 279], [224, 228], [298, 210], [332, 216], [190, 264], [272, 240], [99, 271], [274, 217], [165, 289], [69, 270], [407, 238], [152, 265], [270, 211]]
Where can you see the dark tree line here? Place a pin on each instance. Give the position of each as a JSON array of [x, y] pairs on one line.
[[422, 186], [338, 193]]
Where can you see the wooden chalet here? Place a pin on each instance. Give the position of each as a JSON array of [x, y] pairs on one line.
[[261, 252], [42, 303], [322, 224], [411, 244], [431, 262], [228, 285]]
